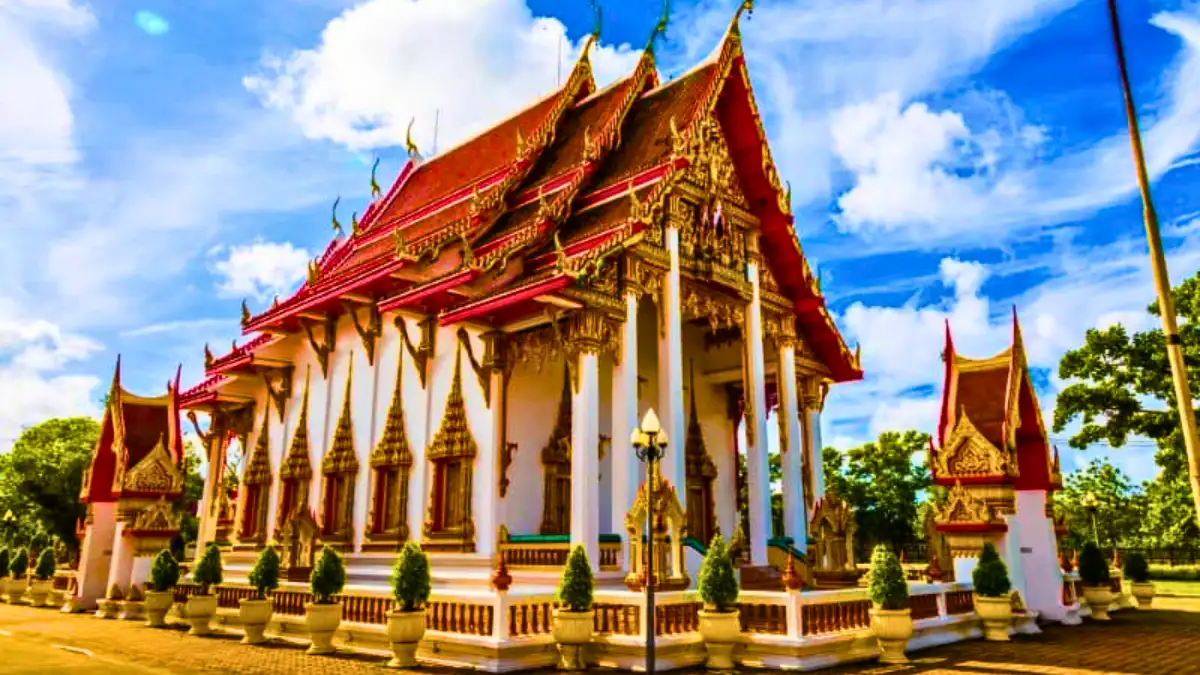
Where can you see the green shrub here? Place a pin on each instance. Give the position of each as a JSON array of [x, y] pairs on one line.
[[1093, 568], [991, 574], [19, 565], [45, 565], [411, 582], [576, 586], [1136, 568], [4, 562], [328, 577], [1175, 573], [264, 576], [164, 573], [208, 571], [718, 579], [888, 588]]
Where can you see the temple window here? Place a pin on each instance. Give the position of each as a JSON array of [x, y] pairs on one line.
[[391, 462], [449, 525], [339, 469], [556, 470], [296, 473], [256, 483]]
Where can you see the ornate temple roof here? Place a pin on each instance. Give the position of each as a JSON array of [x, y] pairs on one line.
[[481, 230], [140, 447], [991, 428]]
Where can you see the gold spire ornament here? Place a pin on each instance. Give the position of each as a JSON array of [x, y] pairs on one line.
[[337, 227], [354, 222], [598, 19], [245, 314], [413, 152], [660, 28], [375, 189]]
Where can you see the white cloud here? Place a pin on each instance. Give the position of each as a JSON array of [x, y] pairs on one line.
[[260, 270], [385, 62]]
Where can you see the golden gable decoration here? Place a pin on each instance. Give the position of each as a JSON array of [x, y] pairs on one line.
[[297, 465], [968, 453], [964, 507], [393, 449], [670, 528], [155, 473], [157, 517], [341, 458], [449, 524], [391, 462], [258, 469], [556, 469], [454, 438]]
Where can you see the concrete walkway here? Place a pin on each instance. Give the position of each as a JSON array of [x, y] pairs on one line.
[[1165, 640]]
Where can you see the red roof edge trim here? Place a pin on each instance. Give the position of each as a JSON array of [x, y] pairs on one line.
[[223, 362], [636, 182], [589, 242], [266, 320], [973, 480], [505, 299], [545, 188], [425, 290], [372, 214], [966, 528]]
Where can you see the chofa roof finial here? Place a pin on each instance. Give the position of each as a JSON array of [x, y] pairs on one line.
[[413, 152], [337, 227], [598, 16], [660, 28], [375, 190]]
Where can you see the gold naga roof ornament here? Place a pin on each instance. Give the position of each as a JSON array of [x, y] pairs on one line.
[[376, 191], [660, 28], [354, 222], [401, 248], [245, 314], [337, 227], [598, 17], [413, 152]]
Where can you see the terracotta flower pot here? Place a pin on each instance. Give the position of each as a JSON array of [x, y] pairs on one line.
[[322, 622], [996, 615], [893, 628], [722, 631], [157, 606], [1098, 599], [14, 589], [200, 611], [1144, 592], [572, 632], [39, 591], [405, 630], [255, 615]]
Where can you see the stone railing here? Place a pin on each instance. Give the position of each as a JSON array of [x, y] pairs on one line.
[[551, 551]]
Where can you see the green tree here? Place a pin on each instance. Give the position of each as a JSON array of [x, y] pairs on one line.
[[1119, 506], [882, 483], [193, 490], [1122, 386], [41, 478]]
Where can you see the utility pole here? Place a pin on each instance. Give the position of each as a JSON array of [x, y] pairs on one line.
[[1162, 281]]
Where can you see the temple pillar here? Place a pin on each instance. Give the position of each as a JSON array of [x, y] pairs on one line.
[[214, 455], [487, 477], [757, 472], [586, 339], [95, 554], [795, 515], [120, 569], [812, 400], [362, 482], [670, 369], [625, 415]]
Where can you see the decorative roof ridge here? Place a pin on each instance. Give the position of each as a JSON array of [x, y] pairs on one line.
[[372, 214], [204, 385], [256, 342]]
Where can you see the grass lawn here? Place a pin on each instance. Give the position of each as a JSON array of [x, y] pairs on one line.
[[1178, 587]]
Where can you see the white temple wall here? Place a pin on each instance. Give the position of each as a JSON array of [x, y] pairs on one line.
[[534, 395]]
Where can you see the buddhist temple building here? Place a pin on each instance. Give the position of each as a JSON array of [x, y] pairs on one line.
[[129, 489], [993, 456]]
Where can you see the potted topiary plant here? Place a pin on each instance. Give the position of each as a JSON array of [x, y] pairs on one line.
[[256, 612], [411, 585], [324, 614], [4, 560], [720, 621], [891, 617], [18, 567], [202, 605], [992, 602], [1138, 574], [164, 574], [573, 619], [43, 578], [1093, 572]]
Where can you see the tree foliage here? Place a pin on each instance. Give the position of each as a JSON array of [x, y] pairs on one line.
[[577, 586], [264, 576], [1119, 507], [888, 589], [164, 572], [718, 578], [328, 576], [1121, 387], [411, 580], [882, 483], [41, 478], [990, 575]]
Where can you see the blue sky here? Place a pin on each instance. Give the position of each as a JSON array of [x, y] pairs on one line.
[[159, 161]]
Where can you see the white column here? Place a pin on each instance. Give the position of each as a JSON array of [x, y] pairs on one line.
[[814, 453], [364, 444], [625, 417], [96, 554], [757, 474], [486, 477], [670, 371], [585, 458], [794, 513], [215, 459]]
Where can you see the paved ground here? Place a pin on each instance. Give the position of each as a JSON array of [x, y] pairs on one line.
[[1163, 641]]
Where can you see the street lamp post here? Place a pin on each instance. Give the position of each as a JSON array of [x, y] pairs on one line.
[[650, 443]]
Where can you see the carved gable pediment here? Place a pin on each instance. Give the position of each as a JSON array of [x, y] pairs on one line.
[[968, 453], [157, 517], [156, 473], [666, 505], [964, 507]]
